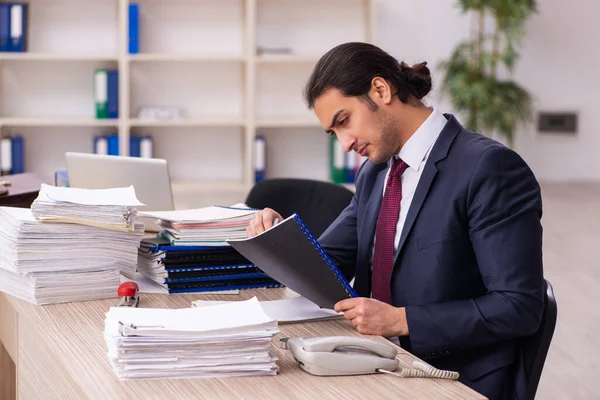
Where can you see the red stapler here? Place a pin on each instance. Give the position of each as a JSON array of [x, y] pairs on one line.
[[129, 294]]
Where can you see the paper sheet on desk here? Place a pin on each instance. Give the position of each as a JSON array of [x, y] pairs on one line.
[[147, 286], [296, 309], [202, 215], [92, 197]]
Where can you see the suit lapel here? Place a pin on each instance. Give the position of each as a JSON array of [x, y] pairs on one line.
[[427, 177], [438, 152]]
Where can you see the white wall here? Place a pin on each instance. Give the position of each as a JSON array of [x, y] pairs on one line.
[[559, 65]]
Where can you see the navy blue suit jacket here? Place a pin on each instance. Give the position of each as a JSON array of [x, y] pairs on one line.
[[469, 265]]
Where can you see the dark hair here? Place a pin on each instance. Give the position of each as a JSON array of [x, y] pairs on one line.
[[350, 68]]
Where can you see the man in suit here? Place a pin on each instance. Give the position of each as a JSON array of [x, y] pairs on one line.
[[443, 235]]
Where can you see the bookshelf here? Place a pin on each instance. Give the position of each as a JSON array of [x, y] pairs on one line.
[[210, 57]]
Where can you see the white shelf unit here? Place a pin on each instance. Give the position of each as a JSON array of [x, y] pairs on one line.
[[206, 56]]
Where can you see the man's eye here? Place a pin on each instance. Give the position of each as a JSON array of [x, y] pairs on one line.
[[343, 122]]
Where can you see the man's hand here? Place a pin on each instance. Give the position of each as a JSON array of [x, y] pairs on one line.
[[372, 317], [263, 220]]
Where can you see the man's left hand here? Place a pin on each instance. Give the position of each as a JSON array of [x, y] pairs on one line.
[[372, 317]]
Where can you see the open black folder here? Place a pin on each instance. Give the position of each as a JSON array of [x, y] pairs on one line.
[[290, 254]]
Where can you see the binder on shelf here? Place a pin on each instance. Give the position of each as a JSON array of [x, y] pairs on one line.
[[350, 166], [113, 94], [17, 155], [101, 145], [4, 27], [18, 27], [337, 161], [101, 93], [139, 146], [5, 156], [113, 145], [134, 28], [290, 254], [147, 147], [135, 146], [260, 155]]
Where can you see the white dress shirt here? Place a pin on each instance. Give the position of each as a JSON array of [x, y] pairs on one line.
[[415, 153]]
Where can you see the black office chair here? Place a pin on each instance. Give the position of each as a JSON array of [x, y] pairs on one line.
[[536, 347], [317, 203]]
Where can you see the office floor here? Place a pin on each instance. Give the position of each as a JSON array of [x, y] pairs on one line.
[[572, 264]]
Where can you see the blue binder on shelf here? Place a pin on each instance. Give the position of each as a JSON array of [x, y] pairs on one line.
[[260, 158], [4, 27], [17, 155], [113, 93], [350, 166], [135, 146], [113, 145], [134, 28], [18, 27]]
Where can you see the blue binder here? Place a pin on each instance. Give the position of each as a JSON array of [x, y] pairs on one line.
[[113, 145], [4, 27], [134, 28], [17, 150], [135, 146], [18, 27], [350, 167], [113, 93]]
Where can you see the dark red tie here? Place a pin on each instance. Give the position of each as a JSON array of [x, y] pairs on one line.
[[383, 255]]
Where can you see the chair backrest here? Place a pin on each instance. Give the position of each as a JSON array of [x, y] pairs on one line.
[[536, 346], [318, 203]]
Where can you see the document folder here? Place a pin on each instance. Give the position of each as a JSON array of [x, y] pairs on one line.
[[290, 254]]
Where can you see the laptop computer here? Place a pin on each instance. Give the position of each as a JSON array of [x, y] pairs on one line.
[[149, 177]]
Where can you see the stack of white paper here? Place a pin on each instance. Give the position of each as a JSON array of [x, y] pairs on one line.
[[109, 208], [219, 341], [208, 226], [28, 245], [62, 286], [45, 262]]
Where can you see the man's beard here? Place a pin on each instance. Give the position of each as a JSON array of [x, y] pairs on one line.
[[389, 140]]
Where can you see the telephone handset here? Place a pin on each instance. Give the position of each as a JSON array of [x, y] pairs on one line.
[[343, 355], [351, 355]]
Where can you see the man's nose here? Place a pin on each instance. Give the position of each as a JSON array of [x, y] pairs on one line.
[[347, 141]]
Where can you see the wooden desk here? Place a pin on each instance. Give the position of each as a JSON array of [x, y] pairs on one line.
[[60, 353], [23, 190]]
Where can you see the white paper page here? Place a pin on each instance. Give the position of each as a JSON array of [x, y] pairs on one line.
[[92, 197], [286, 310], [206, 214], [201, 319]]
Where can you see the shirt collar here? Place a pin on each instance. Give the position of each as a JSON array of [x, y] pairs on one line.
[[416, 148]]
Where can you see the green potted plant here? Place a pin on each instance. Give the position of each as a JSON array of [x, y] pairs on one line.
[[475, 73]]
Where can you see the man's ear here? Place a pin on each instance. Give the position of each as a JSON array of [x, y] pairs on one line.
[[381, 91]]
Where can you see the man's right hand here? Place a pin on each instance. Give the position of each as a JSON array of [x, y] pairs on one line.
[[263, 220]]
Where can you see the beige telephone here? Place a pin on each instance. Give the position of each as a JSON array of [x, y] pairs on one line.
[[348, 355], [342, 355]]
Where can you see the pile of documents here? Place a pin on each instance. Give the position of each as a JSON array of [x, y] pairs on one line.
[[225, 340], [192, 255], [108, 208], [55, 260], [208, 226], [183, 269]]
